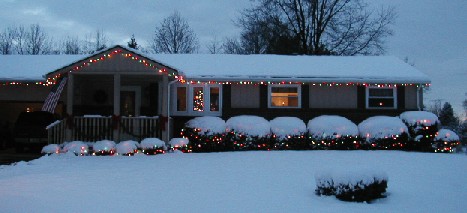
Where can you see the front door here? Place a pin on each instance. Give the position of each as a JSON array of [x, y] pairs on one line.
[[130, 101]]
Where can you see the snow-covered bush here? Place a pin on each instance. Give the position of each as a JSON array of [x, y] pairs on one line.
[[247, 132], [50, 149], [333, 132], [76, 147], [127, 147], [446, 141], [152, 146], [422, 128], [206, 134], [383, 132], [180, 144], [288, 133], [104, 147], [363, 186]]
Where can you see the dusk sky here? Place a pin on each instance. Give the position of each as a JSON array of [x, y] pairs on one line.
[[431, 33]]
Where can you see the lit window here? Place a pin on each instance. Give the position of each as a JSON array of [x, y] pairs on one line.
[[287, 96], [380, 97], [198, 99]]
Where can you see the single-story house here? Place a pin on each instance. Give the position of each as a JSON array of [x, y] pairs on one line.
[[120, 93]]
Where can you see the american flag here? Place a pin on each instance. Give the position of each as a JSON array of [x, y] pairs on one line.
[[51, 101]]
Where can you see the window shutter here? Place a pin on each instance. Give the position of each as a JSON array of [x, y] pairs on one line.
[[226, 96], [361, 101], [400, 97], [305, 96], [263, 96]]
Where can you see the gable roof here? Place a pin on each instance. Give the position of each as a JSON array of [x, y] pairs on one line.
[[227, 67]]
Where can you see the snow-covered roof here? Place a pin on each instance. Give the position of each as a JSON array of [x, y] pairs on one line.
[[228, 67], [33, 67], [338, 69]]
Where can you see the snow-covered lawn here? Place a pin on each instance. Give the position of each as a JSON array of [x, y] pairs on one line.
[[255, 181]]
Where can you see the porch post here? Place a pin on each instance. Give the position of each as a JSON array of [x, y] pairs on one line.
[[69, 105], [165, 104], [116, 136]]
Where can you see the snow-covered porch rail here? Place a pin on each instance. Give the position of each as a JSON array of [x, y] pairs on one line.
[[95, 128]]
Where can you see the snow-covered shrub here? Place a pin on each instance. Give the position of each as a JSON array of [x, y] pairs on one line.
[[363, 186], [206, 134], [50, 149], [446, 141], [422, 128], [247, 132], [288, 133], [76, 147], [180, 144], [383, 132], [127, 147], [152, 146], [104, 147], [333, 132]]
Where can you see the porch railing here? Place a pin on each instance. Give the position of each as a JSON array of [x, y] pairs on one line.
[[95, 128]]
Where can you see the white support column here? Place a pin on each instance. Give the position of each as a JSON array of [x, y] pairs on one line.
[[69, 104], [164, 112], [117, 86]]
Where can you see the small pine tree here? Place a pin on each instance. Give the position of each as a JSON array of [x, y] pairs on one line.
[[447, 118], [132, 43]]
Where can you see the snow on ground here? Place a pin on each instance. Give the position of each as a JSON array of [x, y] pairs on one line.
[[256, 181]]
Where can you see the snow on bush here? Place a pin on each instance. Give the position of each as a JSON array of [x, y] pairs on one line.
[[332, 131], [247, 132], [384, 132], [419, 118], [127, 147], [446, 141], [446, 135], [422, 128], [253, 126], [76, 147], [284, 127], [359, 186], [180, 144], [288, 133], [152, 146], [207, 125], [104, 147], [206, 134], [50, 149]]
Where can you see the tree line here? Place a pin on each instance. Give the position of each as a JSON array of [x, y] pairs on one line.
[[305, 27]]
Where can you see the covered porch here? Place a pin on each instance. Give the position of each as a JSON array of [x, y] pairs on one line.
[[114, 95]]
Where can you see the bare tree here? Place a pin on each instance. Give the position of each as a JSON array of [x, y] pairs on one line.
[[100, 40], [232, 46], [215, 46], [339, 27], [71, 46], [36, 41], [94, 42], [6, 41], [174, 35], [20, 40]]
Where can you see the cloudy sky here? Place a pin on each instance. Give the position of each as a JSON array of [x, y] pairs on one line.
[[431, 33]]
